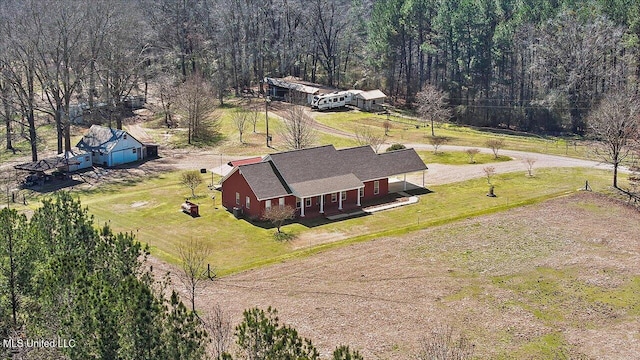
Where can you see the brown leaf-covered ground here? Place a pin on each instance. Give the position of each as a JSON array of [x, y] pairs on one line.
[[559, 279]]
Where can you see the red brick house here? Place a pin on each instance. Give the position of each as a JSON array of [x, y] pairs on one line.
[[315, 181]]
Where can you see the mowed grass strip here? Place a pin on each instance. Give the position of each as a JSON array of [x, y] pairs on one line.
[[151, 210], [458, 158], [406, 130]]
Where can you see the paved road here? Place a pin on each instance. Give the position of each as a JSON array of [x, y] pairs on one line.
[[443, 174]]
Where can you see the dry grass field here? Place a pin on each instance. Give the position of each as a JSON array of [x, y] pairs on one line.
[[558, 280]]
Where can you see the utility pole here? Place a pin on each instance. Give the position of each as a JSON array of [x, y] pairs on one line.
[[266, 115]]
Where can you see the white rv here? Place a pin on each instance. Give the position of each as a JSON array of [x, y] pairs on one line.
[[331, 101]]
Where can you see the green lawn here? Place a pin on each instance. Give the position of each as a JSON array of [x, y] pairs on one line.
[[253, 143], [47, 141], [458, 158], [151, 209], [405, 130]]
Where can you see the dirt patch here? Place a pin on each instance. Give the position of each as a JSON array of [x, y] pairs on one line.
[[555, 278], [139, 204]]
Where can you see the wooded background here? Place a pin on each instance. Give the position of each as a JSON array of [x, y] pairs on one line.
[[531, 65]]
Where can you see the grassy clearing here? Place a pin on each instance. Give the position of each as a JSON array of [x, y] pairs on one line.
[[151, 210], [254, 143], [458, 158], [47, 142], [406, 130]]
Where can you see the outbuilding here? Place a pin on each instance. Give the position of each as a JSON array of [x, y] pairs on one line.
[[370, 100], [111, 147]]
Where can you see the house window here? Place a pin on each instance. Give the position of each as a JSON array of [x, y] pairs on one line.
[[86, 158], [343, 195], [237, 198], [334, 197], [134, 150], [267, 205], [281, 202], [298, 203], [125, 136], [248, 201], [341, 99], [307, 202], [376, 187], [361, 192]]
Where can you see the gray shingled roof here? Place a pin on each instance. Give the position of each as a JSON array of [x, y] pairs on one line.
[[324, 170], [398, 162], [264, 180], [326, 185], [100, 138]]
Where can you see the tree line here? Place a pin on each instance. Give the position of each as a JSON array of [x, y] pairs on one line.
[[63, 278], [532, 65]]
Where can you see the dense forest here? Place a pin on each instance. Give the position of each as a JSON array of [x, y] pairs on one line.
[[531, 65]]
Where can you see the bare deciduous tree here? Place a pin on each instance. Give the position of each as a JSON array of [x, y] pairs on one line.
[[194, 276], [495, 145], [529, 161], [253, 117], [472, 154], [197, 105], [387, 127], [18, 43], [192, 180], [168, 93], [616, 125], [366, 136], [218, 325], [298, 131], [277, 215], [239, 119], [489, 171], [437, 141], [432, 105]]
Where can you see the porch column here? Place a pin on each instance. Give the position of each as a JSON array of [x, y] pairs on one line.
[[404, 186], [302, 204], [422, 178], [340, 200], [322, 204], [358, 196]]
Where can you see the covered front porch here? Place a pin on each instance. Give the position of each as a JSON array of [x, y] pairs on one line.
[[330, 203]]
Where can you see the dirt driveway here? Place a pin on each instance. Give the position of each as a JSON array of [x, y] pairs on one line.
[[509, 281]]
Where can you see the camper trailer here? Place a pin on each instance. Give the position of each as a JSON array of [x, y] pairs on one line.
[[331, 101]]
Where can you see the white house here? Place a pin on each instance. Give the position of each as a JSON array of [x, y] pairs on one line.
[[111, 147]]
